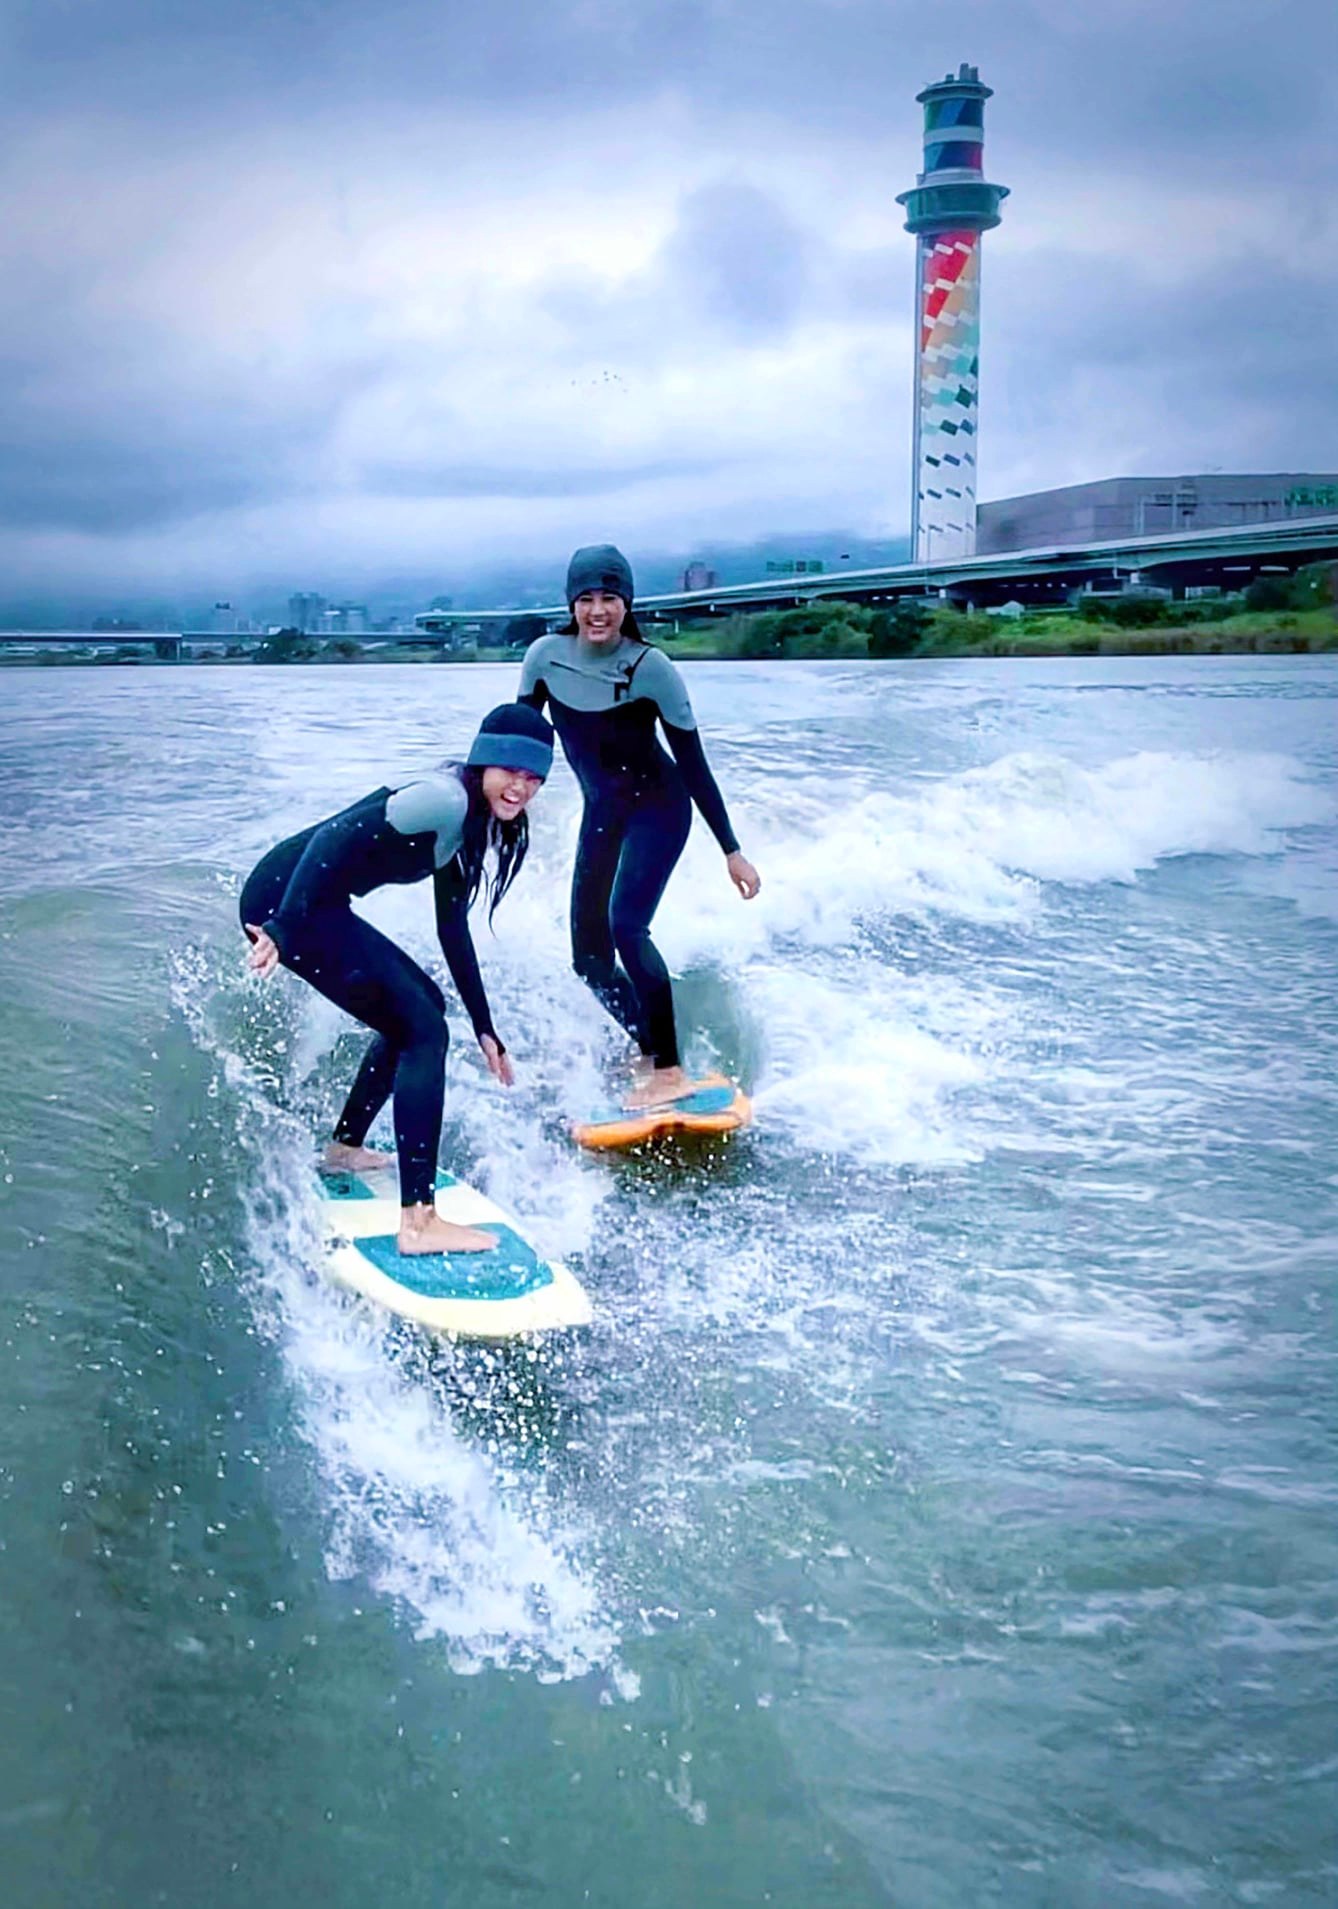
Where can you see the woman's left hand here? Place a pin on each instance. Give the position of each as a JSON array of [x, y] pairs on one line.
[[743, 875], [499, 1061]]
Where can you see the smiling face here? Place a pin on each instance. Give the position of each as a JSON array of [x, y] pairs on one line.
[[599, 615], [509, 791]]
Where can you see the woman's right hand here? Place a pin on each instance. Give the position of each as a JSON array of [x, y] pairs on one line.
[[743, 875], [264, 956]]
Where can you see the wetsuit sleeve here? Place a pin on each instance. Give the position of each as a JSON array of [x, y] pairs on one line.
[[457, 944], [315, 881], [686, 745], [533, 689], [658, 679]]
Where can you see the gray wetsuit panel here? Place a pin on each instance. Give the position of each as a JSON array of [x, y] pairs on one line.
[[437, 803]]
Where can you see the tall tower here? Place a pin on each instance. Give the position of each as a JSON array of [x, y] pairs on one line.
[[947, 209]]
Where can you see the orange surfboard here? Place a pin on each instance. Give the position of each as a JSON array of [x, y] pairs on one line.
[[711, 1105]]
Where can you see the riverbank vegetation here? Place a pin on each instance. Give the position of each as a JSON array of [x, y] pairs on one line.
[[1285, 614], [1275, 614]]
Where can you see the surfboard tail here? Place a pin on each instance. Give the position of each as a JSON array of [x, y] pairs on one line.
[[508, 1292]]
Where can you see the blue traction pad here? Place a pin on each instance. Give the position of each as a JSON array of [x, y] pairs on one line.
[[706, 1100], [509, 1271], [348, 1186]]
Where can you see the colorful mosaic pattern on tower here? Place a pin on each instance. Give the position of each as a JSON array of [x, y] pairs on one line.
[[949, 361]]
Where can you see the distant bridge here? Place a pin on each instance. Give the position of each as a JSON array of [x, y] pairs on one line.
[[1186, 560], [163, 645]]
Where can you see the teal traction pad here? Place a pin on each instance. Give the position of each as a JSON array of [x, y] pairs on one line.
[[348, 1186], [509, 1271], [706, 1100]]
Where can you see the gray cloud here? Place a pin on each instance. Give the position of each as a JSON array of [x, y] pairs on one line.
[[113, 426], [1128, 374], [257, 55], [742, 259], [517, 484], [1230, 82], [309, 270], [736, 264]]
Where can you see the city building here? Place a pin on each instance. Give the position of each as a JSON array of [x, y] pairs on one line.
[[344, 619], [699, 576], [305, 611], [1121, 507], [948, 208]]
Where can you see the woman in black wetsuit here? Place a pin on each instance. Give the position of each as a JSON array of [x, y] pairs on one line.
[[295, 910], [606, 689]]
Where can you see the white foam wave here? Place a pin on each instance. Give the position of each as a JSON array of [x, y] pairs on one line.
[[863, 1077], [861, 1057], [978, 846], [475, 1552], [1053, 819]]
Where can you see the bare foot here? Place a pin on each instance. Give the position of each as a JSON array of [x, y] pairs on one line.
[[343, 1159], [422, 1230], [661, 1084]]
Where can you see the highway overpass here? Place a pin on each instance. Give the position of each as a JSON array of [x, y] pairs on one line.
[[1195, 559], [1227, 559]]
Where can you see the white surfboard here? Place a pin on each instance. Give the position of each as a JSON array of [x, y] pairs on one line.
[[507, 1293]]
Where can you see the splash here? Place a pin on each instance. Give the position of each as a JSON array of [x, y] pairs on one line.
[[459, 1528], [874, 963]]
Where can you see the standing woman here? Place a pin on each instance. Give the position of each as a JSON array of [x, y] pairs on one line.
[[606, 689], [295, 908]]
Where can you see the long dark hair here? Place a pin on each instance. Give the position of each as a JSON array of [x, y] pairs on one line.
[[483, 831]]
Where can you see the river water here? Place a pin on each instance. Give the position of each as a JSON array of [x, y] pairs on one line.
[[941, 1511]]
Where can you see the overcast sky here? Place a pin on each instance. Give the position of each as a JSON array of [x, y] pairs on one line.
[[326, 294]]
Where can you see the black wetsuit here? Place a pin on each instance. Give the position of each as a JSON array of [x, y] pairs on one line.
[[299, 894], [605, 701]]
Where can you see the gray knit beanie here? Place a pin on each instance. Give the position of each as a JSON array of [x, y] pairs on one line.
[[600, 567]]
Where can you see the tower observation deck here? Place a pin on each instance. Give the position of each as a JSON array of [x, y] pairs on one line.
[[947, 209]]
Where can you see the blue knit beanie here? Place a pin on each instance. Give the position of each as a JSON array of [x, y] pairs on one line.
[[513, 736]]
